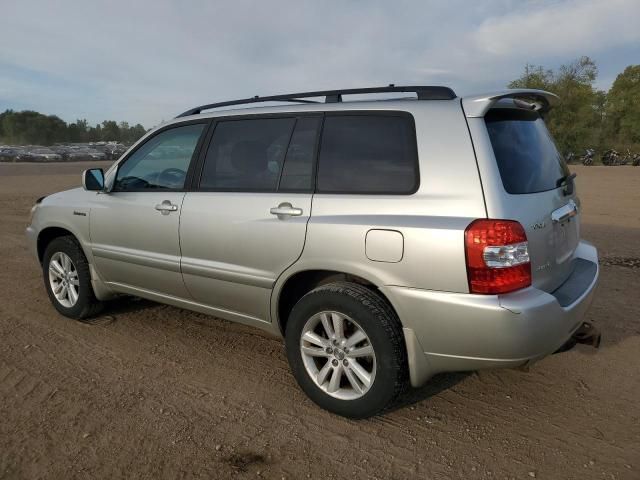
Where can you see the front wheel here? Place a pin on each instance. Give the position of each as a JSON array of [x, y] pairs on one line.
[[346, 349], [68, 280]]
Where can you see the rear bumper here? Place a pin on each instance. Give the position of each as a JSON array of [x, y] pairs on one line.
[[456, 332]]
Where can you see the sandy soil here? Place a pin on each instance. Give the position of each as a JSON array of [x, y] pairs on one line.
[[150, 391]]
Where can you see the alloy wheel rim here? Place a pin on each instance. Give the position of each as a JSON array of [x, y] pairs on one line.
[[338, 355], [63, 279]]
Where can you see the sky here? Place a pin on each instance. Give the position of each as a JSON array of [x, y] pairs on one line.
[[147, 61]]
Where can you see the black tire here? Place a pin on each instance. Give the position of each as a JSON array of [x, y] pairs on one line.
[[87, 304], [379, 321]]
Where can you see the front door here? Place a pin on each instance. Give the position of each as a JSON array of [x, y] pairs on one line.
[[246, 221], [134, 228]]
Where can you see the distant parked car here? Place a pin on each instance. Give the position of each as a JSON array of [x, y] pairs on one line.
[[75, 155], [62, 150], [10, 154], [25, 155], [98, 147], [93, 154], [44, 155], [111, 150], [114, 150], [84, 154]]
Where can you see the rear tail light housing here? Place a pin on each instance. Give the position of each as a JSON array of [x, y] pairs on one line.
[[497, 255]]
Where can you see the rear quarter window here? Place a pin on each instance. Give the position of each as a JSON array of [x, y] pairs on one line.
[[368, 154], [527, 157]]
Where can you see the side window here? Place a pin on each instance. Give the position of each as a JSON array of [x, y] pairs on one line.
[[162, 162], [247, 154], [373, 154], [297, 174]]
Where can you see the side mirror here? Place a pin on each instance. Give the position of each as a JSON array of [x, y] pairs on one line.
[[93, 180]]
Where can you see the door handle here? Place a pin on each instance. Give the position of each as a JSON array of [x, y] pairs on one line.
[[166, 207], [285, 210], [564, 213]]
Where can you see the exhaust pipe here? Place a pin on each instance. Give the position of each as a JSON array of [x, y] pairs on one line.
[[586, 334]]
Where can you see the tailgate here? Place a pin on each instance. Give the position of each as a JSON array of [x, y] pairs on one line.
[[532, 187]]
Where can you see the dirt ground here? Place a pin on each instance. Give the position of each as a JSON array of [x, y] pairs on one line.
[[151, 391]]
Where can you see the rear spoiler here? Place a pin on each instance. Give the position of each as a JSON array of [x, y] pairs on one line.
[[538, 100]]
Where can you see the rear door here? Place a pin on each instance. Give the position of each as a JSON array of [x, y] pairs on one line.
[[246, 221], [525, 179]]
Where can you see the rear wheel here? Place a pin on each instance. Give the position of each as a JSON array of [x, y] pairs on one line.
[[68, 280], [346, 349]]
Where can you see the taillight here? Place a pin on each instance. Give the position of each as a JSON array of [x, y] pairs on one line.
[[497, 256]]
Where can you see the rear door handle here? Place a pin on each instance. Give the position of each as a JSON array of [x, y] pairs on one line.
[[286, 210], [166, 207]]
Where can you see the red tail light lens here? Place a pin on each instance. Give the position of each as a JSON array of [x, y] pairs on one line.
[[497, 256]]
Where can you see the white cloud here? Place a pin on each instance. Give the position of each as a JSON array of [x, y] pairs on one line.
[[147, 61], [561, 29]]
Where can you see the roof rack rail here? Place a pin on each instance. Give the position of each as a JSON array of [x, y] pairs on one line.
[[333, 96]]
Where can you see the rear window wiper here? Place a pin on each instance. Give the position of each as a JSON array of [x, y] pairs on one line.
[[567, 182]]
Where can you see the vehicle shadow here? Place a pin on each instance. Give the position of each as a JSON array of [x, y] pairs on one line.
[[434, 386], [119, 306]]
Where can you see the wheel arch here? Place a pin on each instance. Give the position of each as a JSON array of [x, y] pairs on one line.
[[292, 287], [50, 233]]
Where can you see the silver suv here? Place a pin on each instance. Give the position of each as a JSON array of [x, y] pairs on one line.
[[386, 240]]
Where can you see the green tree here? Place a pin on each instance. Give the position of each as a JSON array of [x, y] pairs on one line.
[[29, 127], [534, 76], [124, 130], [622, 112], [576, 122], [77, 132], [135, 133], [110, 130], [95, 133]]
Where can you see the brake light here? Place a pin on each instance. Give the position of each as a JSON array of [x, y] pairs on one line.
[[497, 254]]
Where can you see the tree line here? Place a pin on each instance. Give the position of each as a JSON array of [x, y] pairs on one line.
[[587, 117], [33, 128]]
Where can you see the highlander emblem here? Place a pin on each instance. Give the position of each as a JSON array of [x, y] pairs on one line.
[[538, 226], [543, 266]]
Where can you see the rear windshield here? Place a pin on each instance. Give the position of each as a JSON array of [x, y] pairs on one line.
[[527, 158]]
